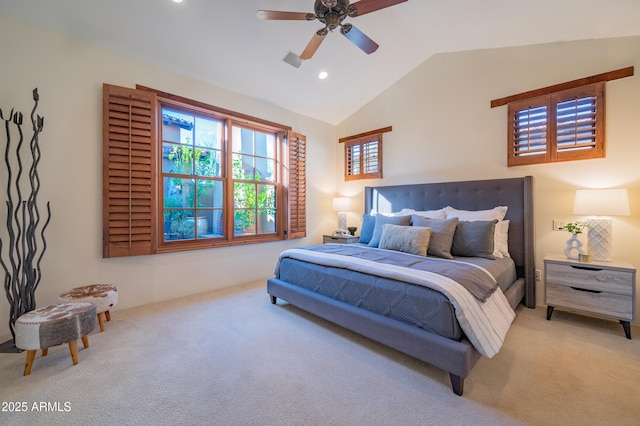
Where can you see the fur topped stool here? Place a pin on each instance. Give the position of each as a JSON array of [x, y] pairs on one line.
[[54, 325], [104, 296]]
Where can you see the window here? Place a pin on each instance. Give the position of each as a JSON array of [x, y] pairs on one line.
[[202, 177], [561, 126], [254, 181], [562, 122], [192, 180], [363, 155]]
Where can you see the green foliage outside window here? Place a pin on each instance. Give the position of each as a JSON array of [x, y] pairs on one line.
[[251, 200]]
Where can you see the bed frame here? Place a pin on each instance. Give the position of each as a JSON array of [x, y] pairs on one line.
[[455, 357]]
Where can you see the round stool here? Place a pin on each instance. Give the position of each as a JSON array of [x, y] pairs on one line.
[[54, 325], [104, 296]]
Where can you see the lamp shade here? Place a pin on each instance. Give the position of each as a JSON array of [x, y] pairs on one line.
[[601, 202], [341, 204]]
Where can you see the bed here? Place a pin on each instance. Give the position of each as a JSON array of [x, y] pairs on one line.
[[335, 291]]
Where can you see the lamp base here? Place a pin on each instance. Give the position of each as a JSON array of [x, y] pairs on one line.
[[342, 221], [600, 239]]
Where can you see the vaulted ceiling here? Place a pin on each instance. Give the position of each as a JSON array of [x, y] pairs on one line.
[[223, 43]]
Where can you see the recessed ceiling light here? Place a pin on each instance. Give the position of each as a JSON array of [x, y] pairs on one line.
[[177, 1], [323, 75]]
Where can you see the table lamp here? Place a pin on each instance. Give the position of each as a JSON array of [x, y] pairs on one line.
[[342, 205], [601, 203]]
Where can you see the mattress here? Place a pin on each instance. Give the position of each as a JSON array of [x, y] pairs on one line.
[[412, 304]]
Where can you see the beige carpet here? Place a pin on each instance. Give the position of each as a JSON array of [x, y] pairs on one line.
[[232, 358]]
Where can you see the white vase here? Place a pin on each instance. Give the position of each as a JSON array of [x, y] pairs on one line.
[[573, 248]]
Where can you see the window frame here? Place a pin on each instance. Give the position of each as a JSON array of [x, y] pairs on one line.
[[119, 212], [360, 142], [553, 153]]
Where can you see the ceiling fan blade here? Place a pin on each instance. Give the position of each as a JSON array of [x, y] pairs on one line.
[[367, 6], [358, 38], [286, 16], [313, 45]]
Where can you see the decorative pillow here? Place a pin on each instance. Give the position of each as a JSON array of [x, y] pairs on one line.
[[408, 239], [503, 238], [432, 214], [442, 231], [381, 220], [366, 231], [374, 212], [474, 239], [473, 215], [496, 213]]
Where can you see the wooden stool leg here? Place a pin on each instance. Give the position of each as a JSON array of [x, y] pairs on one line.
[[45, 351], [31, 354], [108, 315], [85, 341], [73, 348], [101, 320]]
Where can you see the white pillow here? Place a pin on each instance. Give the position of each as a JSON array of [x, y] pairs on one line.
[[431, 214], [496, 213], [473, 215], [503, 239], [392, 214]]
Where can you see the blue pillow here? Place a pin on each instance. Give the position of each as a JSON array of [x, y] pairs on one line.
[[366, 232], [381, 220]]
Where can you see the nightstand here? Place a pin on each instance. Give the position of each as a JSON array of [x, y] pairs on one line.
[[603, 288], [351, 239]]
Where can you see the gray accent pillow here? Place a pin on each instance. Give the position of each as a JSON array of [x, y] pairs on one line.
[[381, 220], [474, 239], [408, 239], [442, 232]]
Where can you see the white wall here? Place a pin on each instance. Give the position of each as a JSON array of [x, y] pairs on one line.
[[444, 130], [69, 75]]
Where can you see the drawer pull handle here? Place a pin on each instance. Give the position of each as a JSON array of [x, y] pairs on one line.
[[586, 268], [586, 289]]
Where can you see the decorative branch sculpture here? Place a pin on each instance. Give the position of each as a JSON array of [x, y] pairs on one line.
[[22, 256]]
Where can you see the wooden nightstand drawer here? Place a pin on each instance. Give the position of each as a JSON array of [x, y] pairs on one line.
[[339, 239], [590, 277], [597, 302]]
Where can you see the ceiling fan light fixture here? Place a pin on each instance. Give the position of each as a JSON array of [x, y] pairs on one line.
[[332, 13], [329, 3]]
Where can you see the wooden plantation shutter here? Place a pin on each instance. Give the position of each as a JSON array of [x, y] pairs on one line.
[[363, 155], [296, 185], [562, 126], [528, 131], [362, 158], [129, 147], [580, 123], [562, 122], [371, 156]]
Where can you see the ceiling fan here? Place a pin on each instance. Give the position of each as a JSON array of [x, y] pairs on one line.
[[331, 13]]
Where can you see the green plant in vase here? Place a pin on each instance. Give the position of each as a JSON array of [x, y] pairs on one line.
[[574, 245], [574, 227]]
